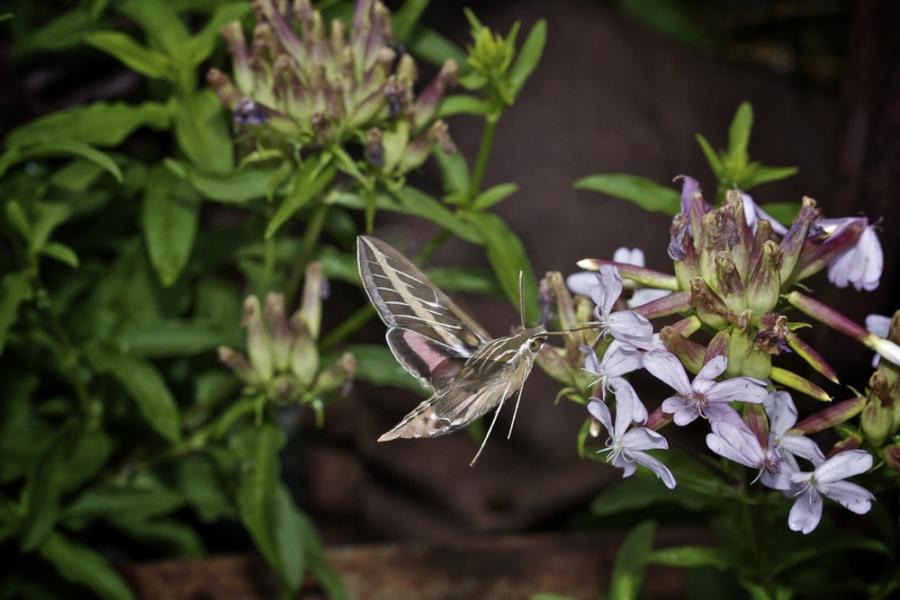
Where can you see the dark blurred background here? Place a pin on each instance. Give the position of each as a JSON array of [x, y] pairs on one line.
[[622, 87]]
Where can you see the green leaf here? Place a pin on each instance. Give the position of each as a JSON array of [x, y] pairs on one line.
[[849, 542], [528, 57], [761, 175], [463, 279], [14, 289], [309, 183], [101, 124], [492, 196], [462, 104], [59, 148], [692, 556], [258, 486], [202, 45], [82, 565], [433, 47], [169, 218], [176, 337], [203, 488], [631, 561], [414, 202], [203, 134], [238, 187], [23, 435], [139, 500], [739, 134], [61, 253], [454, 172], [160, 23], [134, 56], [641, 492], [64, 31], [144, 383], [77, 176], [643, 192], [327, 577], [173, 537], [406, 18], [507, 256], [783, 212], [376, 365], [712, 157], [49, 215]]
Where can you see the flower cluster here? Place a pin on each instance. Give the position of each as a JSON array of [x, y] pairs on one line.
[[735, 268], [311, 85], [282, 362]]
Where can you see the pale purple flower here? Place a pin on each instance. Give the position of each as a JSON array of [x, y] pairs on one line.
[[640, 296], [623, 325], [880, 325], [862, 264], [828, 480], [626, 446], [753, 213], [733, 439], [782, 415], [705, 397], [618, 360]]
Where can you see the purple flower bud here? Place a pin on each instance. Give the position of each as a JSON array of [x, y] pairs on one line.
[[764, 286], [793, 241], [710, 308], [250, 113], [315, 289], [812, 357], [224, 88], [432, 95], [891, 456], [338, 376], [233, 34], [841, 237], [692, 206], [829, 417], [374, 149], [729, 284], [237, 362], [718, 346], [690, 353]]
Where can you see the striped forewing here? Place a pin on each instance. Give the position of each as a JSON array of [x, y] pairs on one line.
[[404, 297]]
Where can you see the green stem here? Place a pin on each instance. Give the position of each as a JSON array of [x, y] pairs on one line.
[[307, 246], [268, 263], [484, 151], [432, 246]]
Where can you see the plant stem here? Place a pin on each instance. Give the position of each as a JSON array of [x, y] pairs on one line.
[[432, 246], [307, 245], [268, 263], [484, 150]]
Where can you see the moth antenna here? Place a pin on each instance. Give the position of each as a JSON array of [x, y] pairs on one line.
[[516, 409], [522, 298], [491, 428]]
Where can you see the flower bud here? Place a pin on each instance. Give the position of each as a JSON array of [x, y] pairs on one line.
[[338, 376], [238, 363], [431, 96], [755, 417], [764, 286], [851, 442], [554, 362], [688, 352], [710, 308], [315, 289], [304, 356], [742, 249], [891, 455], [282, 336], [259, 343], [876, 421], [793, 241], [801, 384], [718, 346], [729, 284], [831, 416], [812, 357], [658, 419], [837, 242], [773, 334]]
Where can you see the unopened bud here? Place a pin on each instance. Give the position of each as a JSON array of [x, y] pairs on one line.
[[710, 308], [690, 353], [277, 323], [764, 286], [718, 346], [315, 289], [259, 343], [891, 456], [851, 442], [431, 96], [830, 416], [876, 421], [755, 417], [801, 384], [729, 284], [792, 242], [338, 376], [304, 356], [238, 363]]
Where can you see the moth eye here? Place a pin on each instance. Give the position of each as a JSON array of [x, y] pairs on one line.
[[534, 345]]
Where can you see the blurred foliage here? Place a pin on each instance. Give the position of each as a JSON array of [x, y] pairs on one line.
[[132, 231]]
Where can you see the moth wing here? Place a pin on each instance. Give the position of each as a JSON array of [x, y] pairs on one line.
[[430, 361], [404, 297]]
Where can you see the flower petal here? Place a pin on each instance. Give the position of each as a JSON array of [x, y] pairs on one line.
[[590, 360], [582, 283], [737, 389], [628, 406], [666, 367], [843, 465], [802, 446], [609, 289], [870, 246], [656, 466], [620, 358], [880, 325], [724, 448], [635, 256], [713, 368], [853, 497], [630, 327], [806, 512], [642, 438], [682, 411], [781, 411], [736, 443], [600, 411]]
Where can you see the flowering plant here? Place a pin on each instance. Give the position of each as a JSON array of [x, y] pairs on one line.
[[737, 278]]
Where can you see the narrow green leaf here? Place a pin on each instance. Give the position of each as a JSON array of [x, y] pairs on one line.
[[289, 533], [201, 45], [101, 124], [631, 561], [82, 565], [144, 383], [239, 187], [14, 289], [712, 157], [23, 434], [454, 172], [739, 134], [134, 56], [692, 556], [77, 176], [60, 33], [467, 280], [463, 104], [139, 500], [16, 216], [177, 337], [528, 57], [414, 202], [160, 23], [61, 253], [59, 148], [643, 491], [326, 576], [376, 365], [762, 175], [203, 134], [406, 18], [643, 192], [49, 215], [431, 46], [783, 212], [175, 538], [169, 218], [492, 196], [309, 183], [204, 489], [256, 494], [508, 258]]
